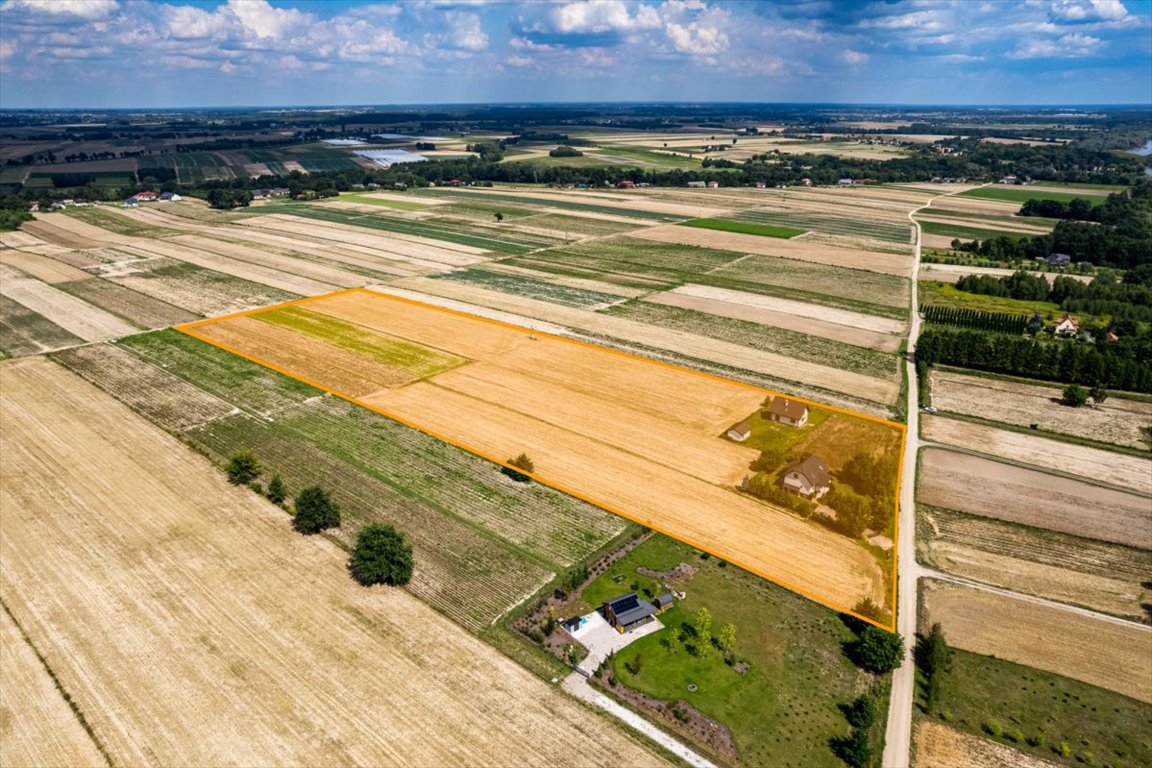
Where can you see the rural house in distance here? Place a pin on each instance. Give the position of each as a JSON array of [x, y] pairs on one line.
[[808, 477], [787, 411]]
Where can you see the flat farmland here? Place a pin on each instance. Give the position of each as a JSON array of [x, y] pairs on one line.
[[272, 654], [24, 332], [1108, 578], [1117, 421], [1108, 653], [800, 248], [989, 488], [70, 313], [635, 437], [1097, 464]]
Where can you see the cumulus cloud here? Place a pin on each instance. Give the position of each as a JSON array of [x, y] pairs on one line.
[[1088, 10], [88, 9], [854, 58], [1071, 46], [598, 16], [465, 32]]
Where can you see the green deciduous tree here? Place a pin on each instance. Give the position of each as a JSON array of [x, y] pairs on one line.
[[276, 490], [315, 511], [382, 556], [243, 467], [933, 659], [879, 651], [1075, 395], [726, 638], [703, 627]]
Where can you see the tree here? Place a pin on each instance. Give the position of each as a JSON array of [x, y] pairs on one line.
[[315, 511], [242, 468], [382, 556], [727, 637], [933, 659], [276, 490], [1099, 395], [861, 713], [1075, 395], [703, 627], [879, 651], [520, 462]]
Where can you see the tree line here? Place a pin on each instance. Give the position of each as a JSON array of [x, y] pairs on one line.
[[996, 322]]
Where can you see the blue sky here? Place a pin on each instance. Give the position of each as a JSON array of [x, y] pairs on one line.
[[178, 53]]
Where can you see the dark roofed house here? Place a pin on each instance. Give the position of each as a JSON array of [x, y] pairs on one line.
[[808, 477], [1059, 259], [739, 432], [786, 411], [628, 612]]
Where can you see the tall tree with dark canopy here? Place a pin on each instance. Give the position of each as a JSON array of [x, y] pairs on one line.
[[315, 511], [382, 556]]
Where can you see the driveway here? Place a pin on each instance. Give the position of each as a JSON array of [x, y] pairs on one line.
[[601, 639]]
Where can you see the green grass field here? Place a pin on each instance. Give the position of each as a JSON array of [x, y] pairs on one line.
[[647, 158], [783, 710], [744, 228], [1024, 194], [842, 226], [933, 293], [416, 359], [1028, 703], [367, 199], [103, 179]]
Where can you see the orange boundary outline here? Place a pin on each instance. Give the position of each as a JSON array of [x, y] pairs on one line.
[[189, 330]]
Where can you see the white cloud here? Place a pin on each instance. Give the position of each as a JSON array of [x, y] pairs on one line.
[[854, 58], [1088, 10], [260, 20], [697, 39], [1075, 45], [465, 33], [188, 22], [928, 21], [599, 16], [88, 9]]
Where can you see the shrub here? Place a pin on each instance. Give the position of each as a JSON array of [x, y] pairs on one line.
[[861, 713], [382, 556], [1087, 757], [1039, 740], [993, 728], [315, 511], [1075, 395], [520, 462], [1015, 735], [276, 490], [243, 467], [1064, 750]]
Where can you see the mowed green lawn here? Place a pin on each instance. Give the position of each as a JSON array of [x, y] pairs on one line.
[[783, 710], [1024, 194], [744, 228], [416, 359]]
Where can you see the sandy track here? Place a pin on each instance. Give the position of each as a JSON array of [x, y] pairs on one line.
[[798, 248], [1110, 655], [192, 626], [42, 268], [700, 347], [1117, 421], [273, 278], [938, 746], [1097, 464], [984, 487], [37, 728], [70, 313], [824, 314]]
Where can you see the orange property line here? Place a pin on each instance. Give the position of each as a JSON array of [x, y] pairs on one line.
[[189, 329]]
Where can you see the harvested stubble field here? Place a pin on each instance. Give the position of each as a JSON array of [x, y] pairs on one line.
[[41, 267], [1107, 653], [837, 324], [1103, 577], [800, 248], [658, 459], [938, 746], [23, 332], [136, 308], [201, 291], [690, 345], [518, 285], [756, 335], [1099, 465], [989, 488], [37, 727], [70, 313], [1117, 421], [623, 204], [272, 654]]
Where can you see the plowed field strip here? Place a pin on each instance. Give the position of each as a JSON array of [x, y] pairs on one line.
[[1101, 653], [1005, 492], [42, 268], [23, 332], [68, 312], [273, 278]]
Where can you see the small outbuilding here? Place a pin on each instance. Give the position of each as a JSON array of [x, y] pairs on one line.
[[739, 432], [808, 477], [627, 612], [664, 602], [787, 411]]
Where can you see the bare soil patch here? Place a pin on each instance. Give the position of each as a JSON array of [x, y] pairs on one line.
[[1095, 464], [262, 650], [42, 268], [1117, 421], [801, 248], [984, 487], [1109, 654], [37, 727], [938, 746]]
